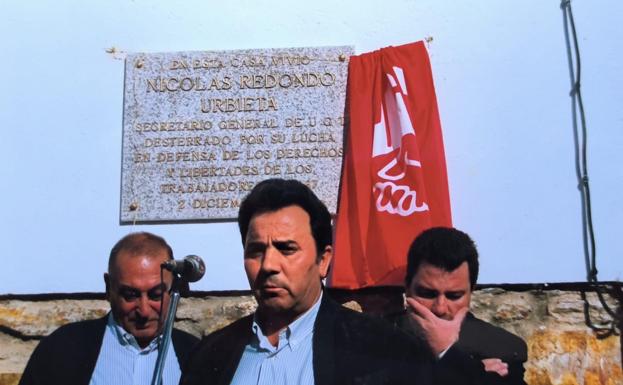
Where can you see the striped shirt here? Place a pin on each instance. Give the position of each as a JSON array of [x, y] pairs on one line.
[[121, 360], [289, 363]]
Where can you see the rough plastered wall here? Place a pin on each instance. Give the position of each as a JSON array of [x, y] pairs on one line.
[[562, 348]]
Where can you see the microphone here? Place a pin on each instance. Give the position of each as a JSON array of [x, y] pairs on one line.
[[190, 269]]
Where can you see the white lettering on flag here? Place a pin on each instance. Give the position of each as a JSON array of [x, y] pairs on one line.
[[399, 126]]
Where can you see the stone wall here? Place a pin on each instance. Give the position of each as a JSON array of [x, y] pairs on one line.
[[562, 348]]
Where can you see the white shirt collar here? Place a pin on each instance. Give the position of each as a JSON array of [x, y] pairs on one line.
[[293, 334], [126, 339]]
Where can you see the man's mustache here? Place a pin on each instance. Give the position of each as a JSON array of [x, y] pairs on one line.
[[268, 280]]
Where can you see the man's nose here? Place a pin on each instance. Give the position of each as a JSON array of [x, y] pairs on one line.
[[440, 306], [270, 260], [143, 306]]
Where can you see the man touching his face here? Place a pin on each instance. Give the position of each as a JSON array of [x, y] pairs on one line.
[[442, 270]]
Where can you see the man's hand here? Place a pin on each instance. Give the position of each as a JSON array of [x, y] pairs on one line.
[[440, 333], [496, 365]]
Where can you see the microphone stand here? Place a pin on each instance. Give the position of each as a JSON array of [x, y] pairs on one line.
[[165, 339]]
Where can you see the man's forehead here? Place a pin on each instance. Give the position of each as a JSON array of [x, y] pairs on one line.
[[288, 218], [128, 263], [136, 256], [431, 276]]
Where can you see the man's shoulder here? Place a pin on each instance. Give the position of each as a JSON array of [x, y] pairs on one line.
[[363, 321], [236, 331], [235, 328], [67, 355], [370, 331], [180, 336], [355, 347], [486, 339], [183, 344], [217, 354], [75, 331]]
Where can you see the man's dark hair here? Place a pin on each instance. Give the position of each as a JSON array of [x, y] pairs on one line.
[[138, 243], [443, 247], [274, 194]]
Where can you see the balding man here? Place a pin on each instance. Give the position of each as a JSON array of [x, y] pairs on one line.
[[122, 347]]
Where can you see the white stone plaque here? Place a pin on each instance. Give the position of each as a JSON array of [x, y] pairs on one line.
[[200, 129]]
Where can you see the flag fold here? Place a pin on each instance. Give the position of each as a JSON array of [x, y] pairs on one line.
[[394, 181]]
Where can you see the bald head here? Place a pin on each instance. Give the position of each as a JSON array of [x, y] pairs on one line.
[[135, 245], [137, 287]]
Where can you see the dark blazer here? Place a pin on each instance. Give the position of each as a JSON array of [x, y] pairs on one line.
[[348, 348], [479, 340], [68, 355]]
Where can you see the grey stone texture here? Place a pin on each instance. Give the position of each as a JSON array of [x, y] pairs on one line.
[[562, 348], [200, 129]]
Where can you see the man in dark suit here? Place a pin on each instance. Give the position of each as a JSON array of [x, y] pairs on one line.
[[442, 270], [122, 347], [298, 335]]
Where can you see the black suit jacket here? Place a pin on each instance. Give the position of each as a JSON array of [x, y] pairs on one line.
[[479, 340], [68, 355], [348, 348]]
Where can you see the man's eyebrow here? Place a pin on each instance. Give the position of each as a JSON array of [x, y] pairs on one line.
[[127, 288], [285, 243], [161, 285], [420, 286], [425, 289], [456, 292], [255, 245]]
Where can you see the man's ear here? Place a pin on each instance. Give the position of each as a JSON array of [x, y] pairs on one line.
[[325, 261], [107, 283]]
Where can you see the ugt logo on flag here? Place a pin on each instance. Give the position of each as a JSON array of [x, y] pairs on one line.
[[394, 194], [394, 183]]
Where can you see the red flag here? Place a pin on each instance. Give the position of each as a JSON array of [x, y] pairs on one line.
[[394, 182]]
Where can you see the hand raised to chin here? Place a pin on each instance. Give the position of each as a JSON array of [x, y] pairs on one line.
[[440, 333]]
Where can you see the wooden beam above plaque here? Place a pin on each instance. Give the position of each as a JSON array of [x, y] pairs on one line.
[[200, 129]]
